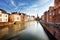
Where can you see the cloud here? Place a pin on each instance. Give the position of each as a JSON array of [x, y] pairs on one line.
[[43, 0], [38, 7], [32, 10], [16, 7], [22, 4], [12, 2], [35, 9], [34, 6], [19, 4], [52, 3]]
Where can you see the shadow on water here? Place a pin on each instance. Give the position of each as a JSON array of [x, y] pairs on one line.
[[50, 36], [37, 23], [24, 36]]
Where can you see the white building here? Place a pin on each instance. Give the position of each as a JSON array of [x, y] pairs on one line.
[[3, 16]]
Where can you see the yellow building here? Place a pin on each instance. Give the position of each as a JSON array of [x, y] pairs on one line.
[[26, 17], [22, 16], [15, 17]]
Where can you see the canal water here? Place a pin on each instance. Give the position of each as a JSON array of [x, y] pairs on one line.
[[32, 31]]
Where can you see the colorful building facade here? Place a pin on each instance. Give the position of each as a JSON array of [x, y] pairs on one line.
[[53, 14]]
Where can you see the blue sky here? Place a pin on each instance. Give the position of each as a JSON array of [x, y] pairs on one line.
[[30, 7]]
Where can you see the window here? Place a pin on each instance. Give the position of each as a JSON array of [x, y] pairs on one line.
[[59, 11], [59, 4], [0, 15], [0, 20], [5, 15], [17, 18], [5, 20], [50, 12]]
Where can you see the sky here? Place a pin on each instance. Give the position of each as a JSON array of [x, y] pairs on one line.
[[29, 7]]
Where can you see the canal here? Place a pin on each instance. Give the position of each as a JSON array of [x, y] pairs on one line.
[[24, 31], [33, 31]]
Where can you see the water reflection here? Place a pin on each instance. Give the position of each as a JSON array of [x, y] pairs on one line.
[[3, 32], [11, 30], [37, 22], [33, 31]]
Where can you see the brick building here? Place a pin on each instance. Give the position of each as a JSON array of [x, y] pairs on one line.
[[56, 3], [57, 11], [57, 15], [53, 14], [51, 8], [45, 16], [42, 17]]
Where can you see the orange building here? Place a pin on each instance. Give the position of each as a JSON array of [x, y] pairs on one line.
[[45, 16], [42, 17], [57, 11], [22, 16], [51, 13], [26, 17], [15, 17], [57, 15], [48, 16]]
